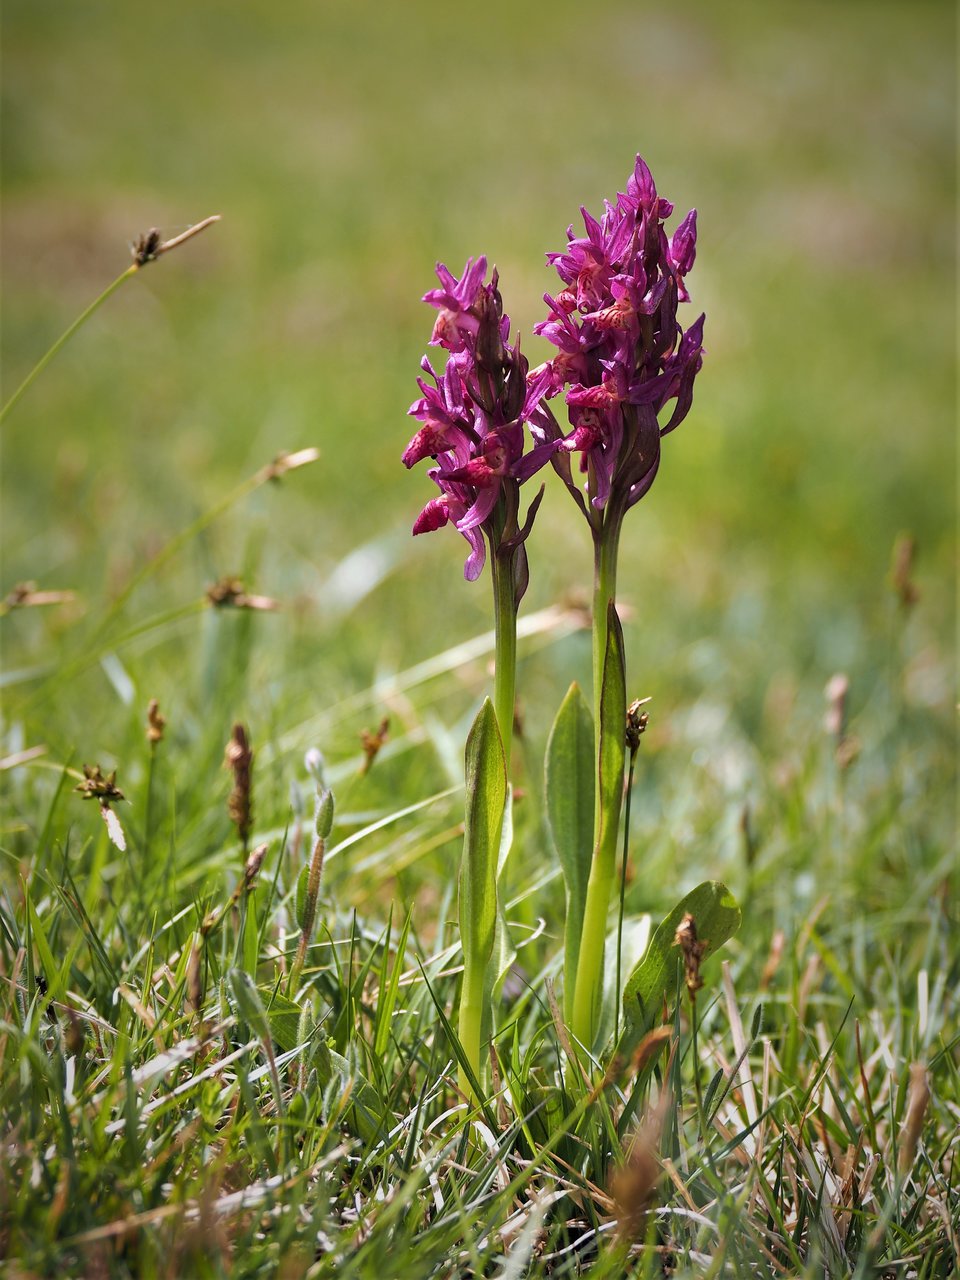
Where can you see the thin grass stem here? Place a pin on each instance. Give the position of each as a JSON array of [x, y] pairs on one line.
[[65, 337], [142, 255]]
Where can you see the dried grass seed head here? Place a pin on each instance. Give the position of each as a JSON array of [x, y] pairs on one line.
[[693, 950], [97, 785], [239, 759]]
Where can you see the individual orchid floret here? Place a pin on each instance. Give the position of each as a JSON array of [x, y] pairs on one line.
[[456, 300]]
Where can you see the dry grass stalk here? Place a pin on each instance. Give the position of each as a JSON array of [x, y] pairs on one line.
[[194, 988], [918, 1099], [632, 1187], [846, 745], [774, 957]]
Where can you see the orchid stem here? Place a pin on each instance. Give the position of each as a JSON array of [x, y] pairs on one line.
[[505, 672], [600, 884]]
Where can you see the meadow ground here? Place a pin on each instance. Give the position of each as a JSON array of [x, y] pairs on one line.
[[164, 1115]]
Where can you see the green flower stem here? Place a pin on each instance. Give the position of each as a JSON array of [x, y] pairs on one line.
[[589, 980], [505, 671], [606, 548], [64, 338]]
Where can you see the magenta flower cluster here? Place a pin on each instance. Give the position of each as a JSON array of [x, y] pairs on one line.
[[622, 359], [472, 417], [623, 356]]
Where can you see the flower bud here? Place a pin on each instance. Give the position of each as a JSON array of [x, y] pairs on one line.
[[489, 348], [323, 815], [313, 762], [515, 388]]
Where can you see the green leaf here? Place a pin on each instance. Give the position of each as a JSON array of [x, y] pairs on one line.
[[570, 787], [504, 952], [613, 729], [358, 1098], [51, 970], [486, 788], [248, 1004], [364, 1108], [251, 936], [717, 918], [506, 833], [284, 1017]]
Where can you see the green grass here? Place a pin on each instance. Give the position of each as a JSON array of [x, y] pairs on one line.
[[164, 1115]]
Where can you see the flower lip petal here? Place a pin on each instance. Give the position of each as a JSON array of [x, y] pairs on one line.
[[433, 516]]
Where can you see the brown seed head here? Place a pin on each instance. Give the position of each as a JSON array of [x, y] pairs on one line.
[[145, 248], [97, 785], [693, 950], [372, 742], [254, 863], [230, 593], [239, 759], [155, 722], [637, 721], [846, 745], [901, 570], [632, 1188]]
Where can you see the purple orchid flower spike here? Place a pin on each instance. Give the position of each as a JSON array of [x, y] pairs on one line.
[[473, 421], [622, 355]]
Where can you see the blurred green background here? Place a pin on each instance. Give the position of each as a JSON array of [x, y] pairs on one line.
[[349, 146]]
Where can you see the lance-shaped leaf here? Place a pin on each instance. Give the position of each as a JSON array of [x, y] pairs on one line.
[[716, 917], [486, 794], [570, 785], [613, 728], [504, 952]]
